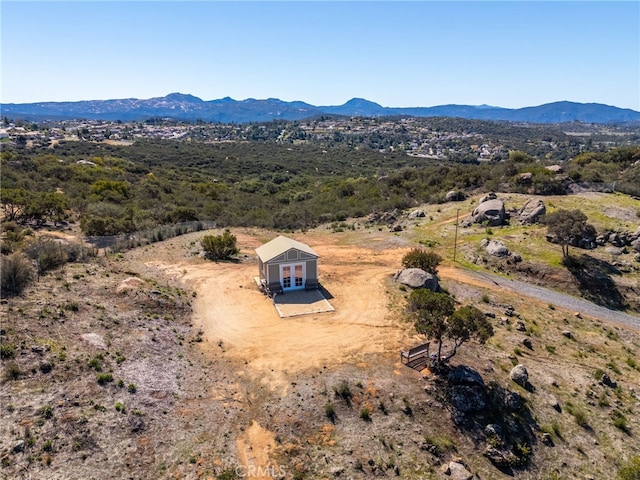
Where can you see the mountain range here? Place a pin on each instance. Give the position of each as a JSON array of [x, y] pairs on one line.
[[180, 106]]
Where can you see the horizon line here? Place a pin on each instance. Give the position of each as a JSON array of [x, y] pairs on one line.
[[481, 105]]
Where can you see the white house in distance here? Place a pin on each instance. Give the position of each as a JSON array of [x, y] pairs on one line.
[[286, 264]]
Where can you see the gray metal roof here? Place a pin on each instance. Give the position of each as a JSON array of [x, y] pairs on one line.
[[280, 245]]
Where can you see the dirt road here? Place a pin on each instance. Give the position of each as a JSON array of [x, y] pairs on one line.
[[541, 294]]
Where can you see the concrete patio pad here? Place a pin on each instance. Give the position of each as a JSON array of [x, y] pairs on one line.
[[301, 302]]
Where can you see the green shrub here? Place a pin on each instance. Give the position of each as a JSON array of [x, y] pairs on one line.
[[620, 421], [630, 470], [603, 401], [220, 247], [49, 253], [228, 474], [104, 378], [46, 411], [523, 451], [96, 362], [343, 391], [330, 412], [442, 443], [120, 407], [8, 350], [612, 365], [12, 371], [72, 306], [132, 388], [579, 415], [420, 258], [16, 272], [365, 414]]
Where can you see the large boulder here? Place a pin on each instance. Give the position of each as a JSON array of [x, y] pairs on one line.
[[490, 212], [454, 196], [467, 392], [525, 178], [463, 375], [457, 471], [615, 251], [520, 375], [94, 339], [497, 248], [531, 211], [417, 278], [487, 197]]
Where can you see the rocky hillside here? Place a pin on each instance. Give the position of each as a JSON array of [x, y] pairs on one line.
[[107, 372]]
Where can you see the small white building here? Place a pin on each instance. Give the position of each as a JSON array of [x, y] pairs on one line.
[[286, 264]]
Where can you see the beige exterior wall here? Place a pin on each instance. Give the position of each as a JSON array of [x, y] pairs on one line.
[[289, 257], [312, 271]]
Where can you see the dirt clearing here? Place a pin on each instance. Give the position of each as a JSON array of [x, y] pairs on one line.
[[236, 317]]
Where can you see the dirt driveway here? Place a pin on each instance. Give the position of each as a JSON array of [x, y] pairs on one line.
[[235, 316]]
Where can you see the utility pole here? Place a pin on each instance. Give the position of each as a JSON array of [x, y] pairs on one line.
[[455, 238]]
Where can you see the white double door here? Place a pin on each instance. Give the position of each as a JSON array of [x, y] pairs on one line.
[[292, 276]]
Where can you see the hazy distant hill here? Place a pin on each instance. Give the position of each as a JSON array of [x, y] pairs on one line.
[[226, 110]]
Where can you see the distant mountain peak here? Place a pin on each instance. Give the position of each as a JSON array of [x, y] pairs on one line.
[[183, 97], [360, 102], [181, 106]]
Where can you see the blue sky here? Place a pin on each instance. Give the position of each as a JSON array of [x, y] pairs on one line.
[[399, 54]]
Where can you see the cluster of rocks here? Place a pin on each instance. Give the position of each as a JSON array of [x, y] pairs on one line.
[[470, 397], [619, 242], [615, 243], [526, 178], [387, 218], [390, 219], [585, 241], [491, 212]]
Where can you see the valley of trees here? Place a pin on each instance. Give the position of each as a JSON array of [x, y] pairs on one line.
[[114, 189]]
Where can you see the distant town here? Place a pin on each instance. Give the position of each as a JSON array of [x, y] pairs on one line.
[[467, 141]]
